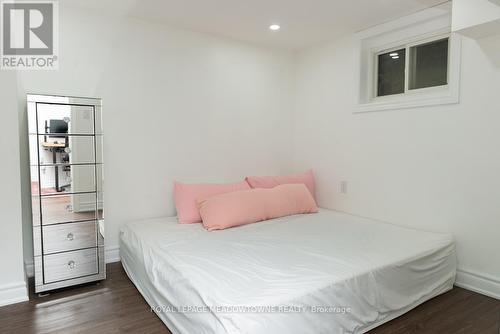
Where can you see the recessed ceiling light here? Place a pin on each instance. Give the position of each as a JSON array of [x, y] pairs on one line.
[[393, 54], [395, 57], [274, 27]]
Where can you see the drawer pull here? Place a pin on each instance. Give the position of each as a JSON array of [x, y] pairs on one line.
[[71, 264], [70, 237]]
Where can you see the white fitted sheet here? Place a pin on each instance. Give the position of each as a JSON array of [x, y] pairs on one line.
[[378, 270]]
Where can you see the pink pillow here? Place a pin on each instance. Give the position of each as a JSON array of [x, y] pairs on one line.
[[306, 178], [251, 206], [186, 195]]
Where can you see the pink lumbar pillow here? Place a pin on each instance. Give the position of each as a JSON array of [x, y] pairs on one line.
[[306, 178], [251, 206], [186, 195]]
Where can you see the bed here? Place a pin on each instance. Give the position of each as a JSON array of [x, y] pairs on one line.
[[328, 272]]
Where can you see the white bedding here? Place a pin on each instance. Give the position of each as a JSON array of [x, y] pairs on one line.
[[376, 270]]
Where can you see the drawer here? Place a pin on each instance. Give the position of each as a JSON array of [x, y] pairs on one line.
[[67, 237], [80, 149], [68, 208], [82, 180], [63, 266], [79, 119]]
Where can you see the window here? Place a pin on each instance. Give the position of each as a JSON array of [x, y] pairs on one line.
[[410, 62], [391, 73], [412, 67]]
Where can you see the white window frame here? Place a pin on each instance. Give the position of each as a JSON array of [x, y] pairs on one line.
[[405, 33], [407, 46]]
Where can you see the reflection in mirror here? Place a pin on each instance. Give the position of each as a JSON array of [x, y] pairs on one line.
[[59, 119], [100, 214], [32, 128], [59, 170], [66, 150], [33, 150], [98, 150], [100, 232], [68, 208], [70, 179], [35, 187], [35, 210], [100, 178], [98, 120]]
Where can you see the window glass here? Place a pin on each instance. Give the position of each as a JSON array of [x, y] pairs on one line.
[[391, 73], [429, 64]]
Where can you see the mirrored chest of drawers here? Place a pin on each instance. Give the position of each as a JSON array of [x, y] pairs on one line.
[[66, 167]]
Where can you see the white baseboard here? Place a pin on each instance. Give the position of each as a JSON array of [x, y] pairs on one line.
[[480, 283], [13, 293], [111, 254]]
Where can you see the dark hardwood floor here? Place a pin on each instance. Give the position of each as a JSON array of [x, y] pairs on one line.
[[115, 306]]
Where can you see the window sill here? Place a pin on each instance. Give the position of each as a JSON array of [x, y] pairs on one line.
[[406, 102]]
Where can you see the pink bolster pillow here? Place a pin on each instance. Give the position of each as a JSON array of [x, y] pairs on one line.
[[186, 195], [251, 206], [306, 178]]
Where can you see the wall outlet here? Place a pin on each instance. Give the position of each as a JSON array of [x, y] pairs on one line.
[[343, 187]]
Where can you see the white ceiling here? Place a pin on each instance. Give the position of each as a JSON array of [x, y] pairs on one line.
[[304, 22]]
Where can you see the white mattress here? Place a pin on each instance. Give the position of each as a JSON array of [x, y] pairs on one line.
[[377, 271]]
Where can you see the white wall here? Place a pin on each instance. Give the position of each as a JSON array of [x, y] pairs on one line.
[[433, 168], [12, 278], [476, 18], [177, 105]]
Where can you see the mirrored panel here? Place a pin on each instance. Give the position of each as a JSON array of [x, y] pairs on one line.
[[100, 205], [65, 179], [100, 233], [68, 208], [98, 120], [66, 150], [32, 126], [99, 149], [58, 119], [100, 178], [35, 210], [33, 144], [35, 186]]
